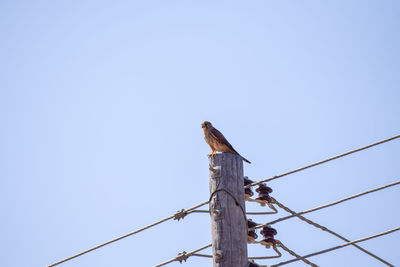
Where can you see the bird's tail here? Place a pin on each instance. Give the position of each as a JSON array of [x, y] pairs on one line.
[[233, 151], [243, 158]]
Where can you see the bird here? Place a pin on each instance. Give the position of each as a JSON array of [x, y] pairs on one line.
[[217, 141]]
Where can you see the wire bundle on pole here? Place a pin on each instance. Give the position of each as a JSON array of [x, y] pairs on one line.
[[265, 199]]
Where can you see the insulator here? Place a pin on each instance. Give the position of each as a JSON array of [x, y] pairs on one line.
[[252, 264], [248, 192], [251, 235], [251, 224], [263, 197], [247, 181], [268, 241], [268, 231], [263, 188]]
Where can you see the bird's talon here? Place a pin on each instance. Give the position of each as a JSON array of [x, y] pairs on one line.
[[212, 155]]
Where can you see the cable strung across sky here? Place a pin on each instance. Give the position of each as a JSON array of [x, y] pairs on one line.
[[337, 247], [177, 216], [324, 161], [324, 228], [312, 210], [183, 213], [329, 204]]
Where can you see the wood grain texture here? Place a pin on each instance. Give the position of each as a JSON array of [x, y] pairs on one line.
[[229, 236]]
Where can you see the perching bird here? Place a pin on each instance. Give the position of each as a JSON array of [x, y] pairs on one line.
[[216, 140]]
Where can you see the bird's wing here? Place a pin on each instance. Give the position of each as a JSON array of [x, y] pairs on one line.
[[217, 135]]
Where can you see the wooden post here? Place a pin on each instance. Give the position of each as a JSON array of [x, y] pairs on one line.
[[227, 210]]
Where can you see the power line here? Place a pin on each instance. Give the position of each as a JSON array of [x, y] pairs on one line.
[[291, 252], [323, 161], [299, 215], [278, 254], [314, 209], [177, 216], [329, 205], [181, 214], [319, 226], [183, 256], [294, 214], [337, 247], [329, 231]]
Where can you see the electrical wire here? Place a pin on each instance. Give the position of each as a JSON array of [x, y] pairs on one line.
[[329, 231], [183, 256], [328, 205], [184, 212], [337, 247], [291, 252], [234, 199], [323, 161], [278, 255]]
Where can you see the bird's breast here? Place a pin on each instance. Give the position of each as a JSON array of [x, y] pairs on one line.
[[208, 137]]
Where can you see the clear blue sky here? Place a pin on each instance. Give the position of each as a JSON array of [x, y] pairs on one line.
[[101, 104]]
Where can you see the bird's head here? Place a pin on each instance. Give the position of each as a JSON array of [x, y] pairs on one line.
[[206, 124]]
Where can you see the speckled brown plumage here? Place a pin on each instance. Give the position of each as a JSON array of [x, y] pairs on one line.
[[217, 141]]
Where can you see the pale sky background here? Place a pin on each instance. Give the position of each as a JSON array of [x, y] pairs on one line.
[[100, 110]]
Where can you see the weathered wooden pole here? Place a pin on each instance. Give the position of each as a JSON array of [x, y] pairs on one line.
[[227, 210]]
